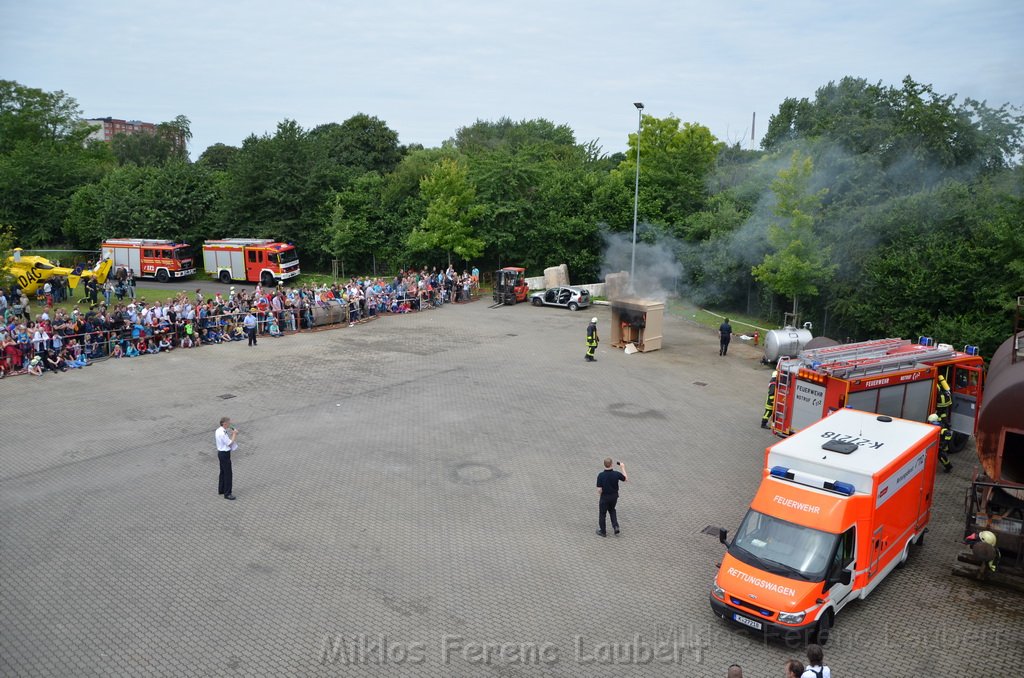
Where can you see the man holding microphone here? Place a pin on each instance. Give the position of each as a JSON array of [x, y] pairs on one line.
[[225, 437], [608, 494]]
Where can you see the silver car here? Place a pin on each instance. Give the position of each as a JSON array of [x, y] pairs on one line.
[[572, 298]]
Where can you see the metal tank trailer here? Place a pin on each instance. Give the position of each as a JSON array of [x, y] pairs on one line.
[[995, 499]]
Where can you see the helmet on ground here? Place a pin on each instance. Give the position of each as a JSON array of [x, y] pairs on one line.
[[987, 537], [933, 418], [593, 320]]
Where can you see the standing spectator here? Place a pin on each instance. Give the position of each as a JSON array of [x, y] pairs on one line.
[[249, 323], [816, 663], [26, 311], [225, 438], [608, 493], [725, 335], [794, 669], [108, 289], [129, 282]]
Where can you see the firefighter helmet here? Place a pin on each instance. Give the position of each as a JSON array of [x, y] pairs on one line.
[[775, 373], [593, 320], [933, 418], [987, 537]]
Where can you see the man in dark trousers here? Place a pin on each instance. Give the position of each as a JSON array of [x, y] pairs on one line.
[[225, 437], [608, 494], [592, 341], [725, 334], [769, 403]]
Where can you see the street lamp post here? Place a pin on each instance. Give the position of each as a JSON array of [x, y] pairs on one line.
[[636, 191]]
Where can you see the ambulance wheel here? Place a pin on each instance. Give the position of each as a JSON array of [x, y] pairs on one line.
[[224, 277], [267, 280], [959, 442], [823, 630], [162, 275]]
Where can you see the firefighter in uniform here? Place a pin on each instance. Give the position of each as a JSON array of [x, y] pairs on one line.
[[944, 437], [943, 400], [592, 340], [769, 403]]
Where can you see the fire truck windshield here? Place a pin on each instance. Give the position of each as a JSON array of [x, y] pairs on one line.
[[782, 547], [285, 258], [183, 253]]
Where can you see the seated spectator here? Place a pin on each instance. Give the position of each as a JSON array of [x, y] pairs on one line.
[[186, 341], [35, 366], [76, 362], [117, 351], [274, 330], [54, 362], [132, 351], [165, 343]]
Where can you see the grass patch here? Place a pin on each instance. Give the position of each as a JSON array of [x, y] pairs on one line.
[[741, 324]]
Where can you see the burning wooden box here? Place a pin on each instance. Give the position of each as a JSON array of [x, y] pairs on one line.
[[637, 321]]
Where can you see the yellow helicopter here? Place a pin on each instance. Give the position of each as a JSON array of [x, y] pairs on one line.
[[32, 271]]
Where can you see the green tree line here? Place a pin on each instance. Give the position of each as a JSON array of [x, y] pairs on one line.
[[870, 209]]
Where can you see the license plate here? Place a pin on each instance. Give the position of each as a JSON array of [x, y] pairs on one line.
[[747, 622]]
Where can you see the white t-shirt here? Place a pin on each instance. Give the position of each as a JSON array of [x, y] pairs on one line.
[[813, 672]]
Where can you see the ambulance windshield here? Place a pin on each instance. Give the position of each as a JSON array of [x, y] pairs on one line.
[[782, 547]]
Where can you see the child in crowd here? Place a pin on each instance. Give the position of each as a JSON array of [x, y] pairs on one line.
[[165, 343], [143, 347], [274, 331], [35, 366], [132, 351], [77, 362], [186, 341]]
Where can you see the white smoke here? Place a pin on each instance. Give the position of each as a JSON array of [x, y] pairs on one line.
[[657, 266]]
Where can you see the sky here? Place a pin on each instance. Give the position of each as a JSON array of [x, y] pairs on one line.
[[428, 68]]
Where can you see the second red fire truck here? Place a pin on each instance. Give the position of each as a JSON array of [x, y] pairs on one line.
[[250, 260], [895, 377]]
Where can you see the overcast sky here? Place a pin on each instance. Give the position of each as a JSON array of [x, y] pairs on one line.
[[428, 68]]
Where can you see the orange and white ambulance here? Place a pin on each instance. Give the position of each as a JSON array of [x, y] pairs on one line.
[[839, 506]]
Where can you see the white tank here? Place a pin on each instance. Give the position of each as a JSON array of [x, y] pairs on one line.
[[785, 342]]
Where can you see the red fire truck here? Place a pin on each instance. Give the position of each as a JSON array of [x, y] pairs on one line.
[[160, 259], [896, 377], [250, 260]]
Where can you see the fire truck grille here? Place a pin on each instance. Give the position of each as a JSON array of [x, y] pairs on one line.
[[760, 610]]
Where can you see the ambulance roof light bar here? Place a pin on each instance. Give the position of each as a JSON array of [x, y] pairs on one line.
[[811, 480]]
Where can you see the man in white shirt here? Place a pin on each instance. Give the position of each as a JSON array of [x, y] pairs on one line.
[[816, 663], [225, 437]]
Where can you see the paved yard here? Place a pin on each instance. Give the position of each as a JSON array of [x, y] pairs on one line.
[[412, 493]]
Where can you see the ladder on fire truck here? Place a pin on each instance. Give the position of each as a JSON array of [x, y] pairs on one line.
[[863, 349], [782, 384], [870, 366]]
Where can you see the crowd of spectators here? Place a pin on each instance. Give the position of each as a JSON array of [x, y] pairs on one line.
[[128, 327]]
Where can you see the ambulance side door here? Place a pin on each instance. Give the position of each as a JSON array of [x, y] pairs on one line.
[[843, 569]]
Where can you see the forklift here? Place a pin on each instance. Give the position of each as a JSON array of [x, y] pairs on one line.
[[509, 286]]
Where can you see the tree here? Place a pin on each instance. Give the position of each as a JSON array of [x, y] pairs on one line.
[[447, 226], [363, 143], [675, 162], [6, 249], [218, 157], [31, 115], [798, 262]]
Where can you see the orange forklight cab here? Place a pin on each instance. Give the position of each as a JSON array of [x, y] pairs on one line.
[[839, 506]]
